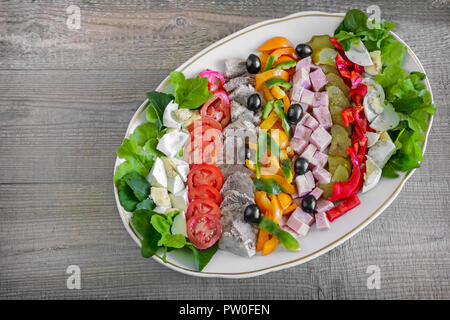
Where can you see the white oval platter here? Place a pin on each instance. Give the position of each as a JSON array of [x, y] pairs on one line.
[[298, 28]]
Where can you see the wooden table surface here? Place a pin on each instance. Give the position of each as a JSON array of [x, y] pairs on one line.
[[66, 97]]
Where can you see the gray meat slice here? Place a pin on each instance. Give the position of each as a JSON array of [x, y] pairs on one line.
[[235, 197], [234, 67], [240, 182], [236, 82], [241, 93], [238, 111], [228, 169], [238, 236]]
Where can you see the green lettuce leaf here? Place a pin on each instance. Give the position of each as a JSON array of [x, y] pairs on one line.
[[189, 93]]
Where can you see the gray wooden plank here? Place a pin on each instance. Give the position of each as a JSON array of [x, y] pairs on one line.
[[65, 101]]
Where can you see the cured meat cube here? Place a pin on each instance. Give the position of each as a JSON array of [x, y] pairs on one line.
[[322, 114], [317, 193], [318, 79], [320, 138], [308, 153], [324, 205], [322, 176], [318, 160], [322, 222], [320, 100], [307, 97], [308, 121], [302, 132], [298, 144]]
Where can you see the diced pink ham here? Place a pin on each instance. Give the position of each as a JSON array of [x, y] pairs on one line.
[[319, 160], [301, 78], [318, 79], [308, 153], [310, 179], [323, 205], [322, 176], [317, 193], [307, 97], [314, 67], [304, 106], [303, 185], [309, 121], [322, 222], [305, 63], [303, 216], [292, 232], [302, 132], [296, 93], [299, 145], [320, 100], [297, 225], [320, 138], [322, 114]]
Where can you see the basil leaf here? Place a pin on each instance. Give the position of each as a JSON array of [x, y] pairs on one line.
[[158, 102], [139, 185], [202, 257], [127, 198], [285, 238], [141, 222], [147, 204]]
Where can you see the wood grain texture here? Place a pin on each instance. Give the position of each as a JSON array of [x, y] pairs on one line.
[[65, 101]]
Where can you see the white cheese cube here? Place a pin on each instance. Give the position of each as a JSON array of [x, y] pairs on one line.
[[157, 176], [160, 196]]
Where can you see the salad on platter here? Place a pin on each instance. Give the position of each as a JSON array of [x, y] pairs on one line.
[[251, 157]]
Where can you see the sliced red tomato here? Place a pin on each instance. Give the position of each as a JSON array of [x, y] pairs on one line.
[[209, 122], [203, 148], [201, 206], [205, 192], [204, 230], [217, 108], [205, 174]]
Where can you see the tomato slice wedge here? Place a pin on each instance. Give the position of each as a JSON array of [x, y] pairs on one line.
[[205, 192], [200, 206], [205, 174], [204, 230], [217, 108], [208, 122]]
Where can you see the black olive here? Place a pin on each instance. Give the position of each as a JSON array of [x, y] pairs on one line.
[[252, 213], [301, 166], [309, 203], [254, 102], [253, 64], [294, 113], [303, 50]]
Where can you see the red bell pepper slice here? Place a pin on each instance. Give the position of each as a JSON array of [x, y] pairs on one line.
[[336, 44], [343, 207], [358, 93], [347, 116], [343, 190], [355, 78], [342, 66]]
